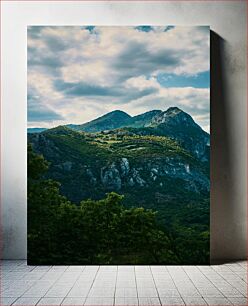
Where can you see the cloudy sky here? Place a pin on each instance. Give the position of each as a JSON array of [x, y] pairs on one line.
[[76, 74]]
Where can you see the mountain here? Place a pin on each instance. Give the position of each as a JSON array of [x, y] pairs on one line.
[[155, 166], [146, 168], [36, 130], [180, 126], [109, 121], [172, 116], [157, 160], [143, 120], [173, 123], [116, 119]]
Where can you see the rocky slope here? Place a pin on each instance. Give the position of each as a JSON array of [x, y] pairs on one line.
[[116, 119], [143, 167], [180, 126], [173, 123]]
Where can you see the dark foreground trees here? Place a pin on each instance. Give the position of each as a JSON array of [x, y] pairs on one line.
[[105, 231], [95, 232]]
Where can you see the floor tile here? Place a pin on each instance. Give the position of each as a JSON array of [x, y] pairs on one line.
[[120, 301], [41, 268], [166, 301], [5, 301], [126, 292], [102, 292], [217, 301], [210, 292], [239, 301], [75, 268], [147, 292], [26, 301], [104, 283], [149, 301], [39, 289], [73, 301], [58, 291], [108, 268], [50, 301], [13, 292], [91, 269], [58, 268], [79, 291], [130, 285], [230, 292], [164, 292], [189, 292], [194, 301], [126, 283], [99, 301], [143, 282], [125, 269]]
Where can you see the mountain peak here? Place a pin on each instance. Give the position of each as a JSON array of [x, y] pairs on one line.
[[173, 116], [60, 129], [109, 121], [173, 109], [118, 111], [118, 114]]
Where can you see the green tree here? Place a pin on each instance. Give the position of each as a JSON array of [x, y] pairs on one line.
[[44, 201], [94, 232]]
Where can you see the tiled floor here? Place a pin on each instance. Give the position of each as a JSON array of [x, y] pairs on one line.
[[123, 285]]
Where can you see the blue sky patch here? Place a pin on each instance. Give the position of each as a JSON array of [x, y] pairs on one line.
[[200, 80], [144, 28]]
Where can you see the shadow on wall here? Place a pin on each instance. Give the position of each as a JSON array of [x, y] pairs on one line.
[[223, 226]]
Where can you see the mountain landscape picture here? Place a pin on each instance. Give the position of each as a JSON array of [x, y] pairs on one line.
[[118, 145]]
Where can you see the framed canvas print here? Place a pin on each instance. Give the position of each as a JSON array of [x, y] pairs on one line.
[[118, 145]]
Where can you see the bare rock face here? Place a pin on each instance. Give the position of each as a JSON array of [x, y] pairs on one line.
[[180, 126], [110, 177], [120, 174], [124, 164], [137, 178], [93, 180]]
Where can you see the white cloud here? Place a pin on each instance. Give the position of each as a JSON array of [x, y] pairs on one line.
[[121, 59]]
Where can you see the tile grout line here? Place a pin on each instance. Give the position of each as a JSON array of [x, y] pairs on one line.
[[91, 284], [39, 298], [73, 284], [36, 282], [211, 283], [176, 286], [28, 287], [230, 283], [237, 273], [116, 283], [155, 285], [14, 301], [193, 285], [136, 284], [38, 301]]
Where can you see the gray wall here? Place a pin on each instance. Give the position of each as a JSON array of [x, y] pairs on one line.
[[227, 20]]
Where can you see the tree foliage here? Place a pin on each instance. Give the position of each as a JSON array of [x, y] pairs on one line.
[[94, 232]]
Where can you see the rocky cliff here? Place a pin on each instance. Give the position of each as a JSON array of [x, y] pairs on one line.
[[89, 165]]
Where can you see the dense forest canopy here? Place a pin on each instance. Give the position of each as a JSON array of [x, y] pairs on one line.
[[107, 232]]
